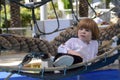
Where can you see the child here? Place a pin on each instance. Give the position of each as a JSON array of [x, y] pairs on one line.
[[80, 49]]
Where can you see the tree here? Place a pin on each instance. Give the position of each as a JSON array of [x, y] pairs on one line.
[[15, 15], [15, 18], [83, 8]]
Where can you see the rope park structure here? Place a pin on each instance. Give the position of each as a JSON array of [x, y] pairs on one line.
[[42, 49]]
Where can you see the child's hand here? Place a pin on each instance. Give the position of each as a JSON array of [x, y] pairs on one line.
[[62, 49], [72, 52]]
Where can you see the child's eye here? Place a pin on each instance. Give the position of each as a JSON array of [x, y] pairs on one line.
[[81, 29], [87, 30]]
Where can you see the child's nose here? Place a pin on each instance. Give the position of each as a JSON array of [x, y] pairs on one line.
[[83, 31]]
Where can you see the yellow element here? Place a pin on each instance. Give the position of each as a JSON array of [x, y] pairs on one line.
[[33, 65]]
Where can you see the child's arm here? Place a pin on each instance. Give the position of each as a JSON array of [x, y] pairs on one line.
[[72, 52]]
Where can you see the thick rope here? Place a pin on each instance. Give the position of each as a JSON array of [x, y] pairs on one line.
[[107, 54], [26, 44], [36, 45], [105, 34]]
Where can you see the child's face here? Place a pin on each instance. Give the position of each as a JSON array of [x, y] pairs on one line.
[[85, 34]]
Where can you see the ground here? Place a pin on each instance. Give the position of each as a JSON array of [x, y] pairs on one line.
[[13, 58]]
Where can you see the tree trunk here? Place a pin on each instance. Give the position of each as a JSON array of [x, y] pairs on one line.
[[15, 17], [83, 8]]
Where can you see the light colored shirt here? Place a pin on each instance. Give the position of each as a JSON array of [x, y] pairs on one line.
[[87, 51]]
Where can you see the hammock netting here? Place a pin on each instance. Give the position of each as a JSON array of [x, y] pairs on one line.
[[29, 44], [40, 47]]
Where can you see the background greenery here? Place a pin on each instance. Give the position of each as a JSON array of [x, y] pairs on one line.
[[26, 14]]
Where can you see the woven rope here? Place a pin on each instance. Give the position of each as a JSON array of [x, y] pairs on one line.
[[105, 34], [28, 44], [107, 54], [38, 45]]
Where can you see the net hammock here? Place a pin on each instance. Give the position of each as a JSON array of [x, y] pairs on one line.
[[38, 47]]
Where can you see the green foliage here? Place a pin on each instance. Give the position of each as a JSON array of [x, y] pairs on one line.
[[107, 3], [66, 4], [2, 17], [90, 1], [51, 14], [50, 7], [25, 16], [37, 13]]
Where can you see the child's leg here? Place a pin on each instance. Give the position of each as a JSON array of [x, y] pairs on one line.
[[59, 55], [77, 59], [63, 60], [67, 58]]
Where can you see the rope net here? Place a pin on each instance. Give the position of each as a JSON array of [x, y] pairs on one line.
[[38, 46], [29, 44]]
